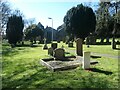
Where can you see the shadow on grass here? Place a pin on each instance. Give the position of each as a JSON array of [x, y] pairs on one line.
[[102, 43], [26, 81], [95, 56], [72, 47], [27, 45], [67, 52], [100, 71], [45, 79], [117, 48], [9, 52]]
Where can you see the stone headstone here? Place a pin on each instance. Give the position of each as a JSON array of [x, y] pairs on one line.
[[86, 60], [62, 46], [45, 47], [54, 46], [50, 51], [59, 53], [70, 44], [79, 49], [90, 40], [113, 43], [87, 41]]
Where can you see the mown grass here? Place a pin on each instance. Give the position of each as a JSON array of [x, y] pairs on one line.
[[103, 49], [21, 69]]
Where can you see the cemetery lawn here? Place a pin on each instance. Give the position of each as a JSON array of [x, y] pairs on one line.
[[102, 49], [21, 69]]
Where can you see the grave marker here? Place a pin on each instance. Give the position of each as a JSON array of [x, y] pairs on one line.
[[86, 60], [70, 44], [54, 46], [45, 47], [79, 48], [59, 53], [50, 51]]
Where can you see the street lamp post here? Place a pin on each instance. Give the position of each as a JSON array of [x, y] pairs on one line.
[[52, 26]]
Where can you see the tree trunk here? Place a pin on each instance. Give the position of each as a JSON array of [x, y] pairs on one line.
[[79, 47]]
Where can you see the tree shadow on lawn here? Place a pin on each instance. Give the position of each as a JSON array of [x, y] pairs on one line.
[[28, 45], [100, 71], [9, 52], [13, 51], [117, 48], [51, 80], [102, 43], [67, 52], [26, 81], [44, 78]]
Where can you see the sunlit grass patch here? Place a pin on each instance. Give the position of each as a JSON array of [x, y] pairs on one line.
[[22, 69]]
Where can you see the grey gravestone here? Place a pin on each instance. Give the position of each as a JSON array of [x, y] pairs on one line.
[[62, 46], [113, 45], [50, 51], [45, 47], [79, 48], [87, 41], [54, 46], [92, 40], [59, 53], [70, 44]]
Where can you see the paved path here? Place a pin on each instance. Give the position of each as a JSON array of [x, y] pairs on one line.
[[97, 54]]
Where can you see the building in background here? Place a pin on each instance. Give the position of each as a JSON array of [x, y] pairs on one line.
[[48, 32]]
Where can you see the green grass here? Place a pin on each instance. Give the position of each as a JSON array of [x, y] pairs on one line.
[[22, 70], [103, 49]]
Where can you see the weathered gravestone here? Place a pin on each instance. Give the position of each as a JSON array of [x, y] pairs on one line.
[[59, 53], [54, 46], [87, 41], [50, 51], [79, 48], [113, 43], [90, 40], [70, 44], [86, 60], [45, 47]]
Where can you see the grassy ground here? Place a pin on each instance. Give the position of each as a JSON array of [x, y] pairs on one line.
[[22, 70], [104, 49]]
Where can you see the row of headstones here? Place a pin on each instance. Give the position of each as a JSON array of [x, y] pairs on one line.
[[52, 50], [113, 43], [58, 53]]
